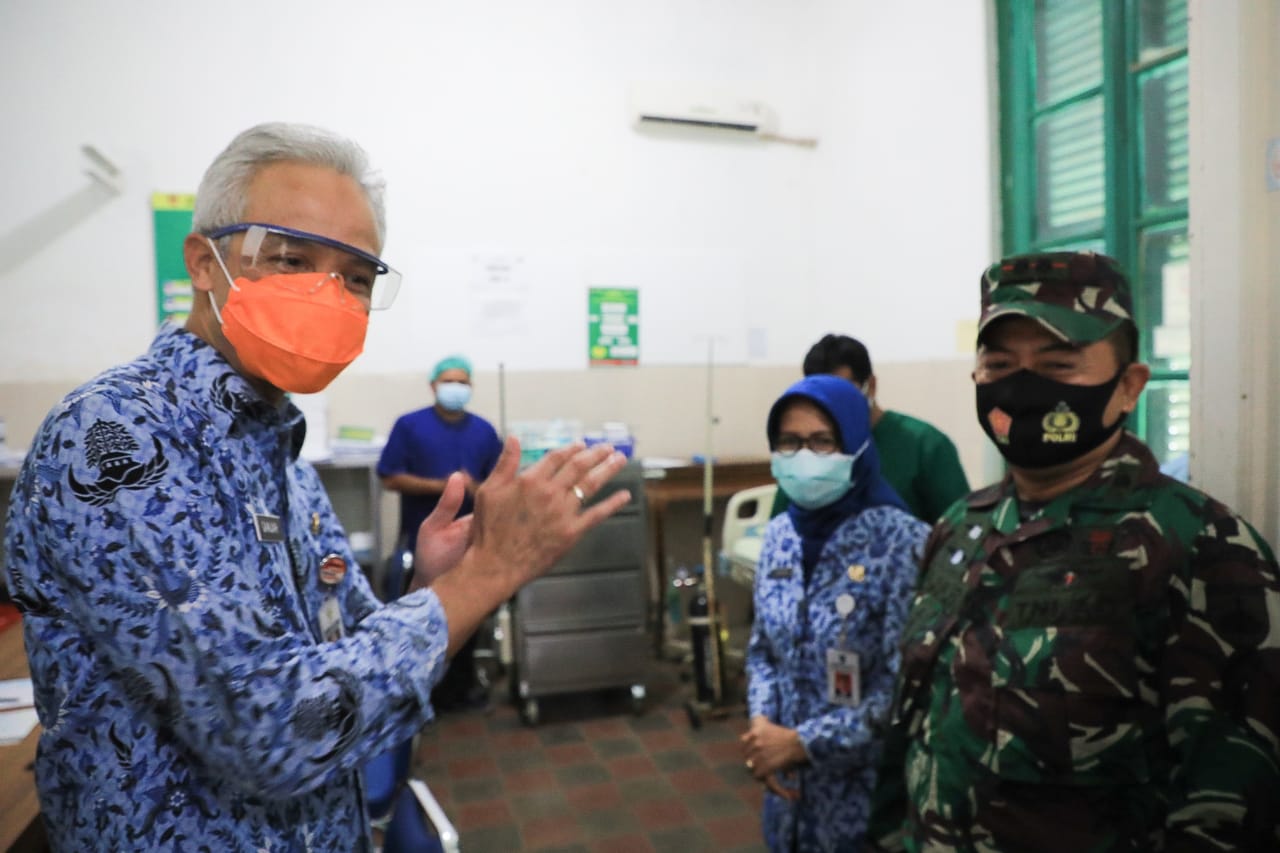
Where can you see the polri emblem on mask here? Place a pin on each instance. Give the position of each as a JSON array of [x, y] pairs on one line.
[[1036, 421], [1061, 426]]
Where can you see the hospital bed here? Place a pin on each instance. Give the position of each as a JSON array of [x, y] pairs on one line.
[[745, 518]]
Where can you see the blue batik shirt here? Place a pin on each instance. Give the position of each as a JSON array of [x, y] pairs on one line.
[[871, 557], [165, 545]]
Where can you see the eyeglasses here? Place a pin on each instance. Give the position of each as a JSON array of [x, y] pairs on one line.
[[789, 444], [274, 250]]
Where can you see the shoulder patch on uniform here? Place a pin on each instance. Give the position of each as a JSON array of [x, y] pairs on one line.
[[984, 497], [109, 448]]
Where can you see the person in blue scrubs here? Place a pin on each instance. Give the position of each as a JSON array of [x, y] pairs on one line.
[[429, 444], [835, 580], [424, 449]]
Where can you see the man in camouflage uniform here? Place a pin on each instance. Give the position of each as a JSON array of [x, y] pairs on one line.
[[1092, 661]]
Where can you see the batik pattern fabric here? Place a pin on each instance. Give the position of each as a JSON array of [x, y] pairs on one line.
[[872, 557], [174, 561], [1098, 673]]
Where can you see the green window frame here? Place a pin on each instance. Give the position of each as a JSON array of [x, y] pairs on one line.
[[1093, 145]]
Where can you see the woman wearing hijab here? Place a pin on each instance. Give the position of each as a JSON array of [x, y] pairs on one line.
[[835, 579]]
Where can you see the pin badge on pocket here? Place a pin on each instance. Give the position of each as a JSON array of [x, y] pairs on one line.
[[332, 570]]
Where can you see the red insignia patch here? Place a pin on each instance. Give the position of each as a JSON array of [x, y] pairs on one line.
[[1000, 424]]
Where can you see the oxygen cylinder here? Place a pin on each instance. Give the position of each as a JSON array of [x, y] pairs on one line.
[[701, 639]]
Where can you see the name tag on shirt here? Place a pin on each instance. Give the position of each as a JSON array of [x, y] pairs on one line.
[[844, 678], [268, 527]]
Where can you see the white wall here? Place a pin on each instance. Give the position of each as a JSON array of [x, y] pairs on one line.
[[502, 129], [1234, 75]]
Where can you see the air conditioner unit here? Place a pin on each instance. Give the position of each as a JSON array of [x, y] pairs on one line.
[[656, 105]]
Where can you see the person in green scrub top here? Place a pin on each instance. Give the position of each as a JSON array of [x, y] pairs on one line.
[[916, 458]]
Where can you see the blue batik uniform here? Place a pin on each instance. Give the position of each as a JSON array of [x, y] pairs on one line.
[[794, 625], [188, 699], [865, 545], [426, 445]]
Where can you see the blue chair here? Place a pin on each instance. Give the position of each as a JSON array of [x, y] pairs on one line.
[[384, 776], [411, 819], [418, 824]]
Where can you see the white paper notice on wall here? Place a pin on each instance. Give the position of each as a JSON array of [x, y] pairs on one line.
[[966, 336], [499, 287]]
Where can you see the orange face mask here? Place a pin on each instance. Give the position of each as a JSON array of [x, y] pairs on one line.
[[297, 331]]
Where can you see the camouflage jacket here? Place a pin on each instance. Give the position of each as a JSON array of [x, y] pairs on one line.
[[1103, 674]]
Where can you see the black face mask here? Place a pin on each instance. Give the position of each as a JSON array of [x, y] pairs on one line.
[[1037, 422]]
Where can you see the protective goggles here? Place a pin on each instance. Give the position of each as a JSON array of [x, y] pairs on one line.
[[275, 250]]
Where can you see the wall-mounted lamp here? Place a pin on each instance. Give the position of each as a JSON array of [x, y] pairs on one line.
[[42, 228], [102, 170]]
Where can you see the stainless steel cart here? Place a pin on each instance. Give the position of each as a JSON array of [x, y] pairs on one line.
[[582, 626]]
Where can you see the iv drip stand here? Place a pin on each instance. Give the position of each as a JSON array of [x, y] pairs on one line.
[[716, 709]]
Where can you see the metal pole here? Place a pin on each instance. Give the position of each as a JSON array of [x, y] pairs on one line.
[[708, 569]]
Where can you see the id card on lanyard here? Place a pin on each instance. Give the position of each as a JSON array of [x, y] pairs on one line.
[[844, 678], [844, 673], [333, 568], [331, 620]]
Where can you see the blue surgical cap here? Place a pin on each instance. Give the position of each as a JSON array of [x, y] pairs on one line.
[[450, 362]]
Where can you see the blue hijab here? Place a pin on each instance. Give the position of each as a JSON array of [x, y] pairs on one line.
[[848, 410]]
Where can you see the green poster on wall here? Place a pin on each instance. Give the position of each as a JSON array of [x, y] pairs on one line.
[[171, 214], [613, 326]]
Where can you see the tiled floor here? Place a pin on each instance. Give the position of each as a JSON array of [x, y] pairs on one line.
[[593, 776]]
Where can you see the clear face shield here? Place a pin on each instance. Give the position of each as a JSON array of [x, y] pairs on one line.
[[275, 250]]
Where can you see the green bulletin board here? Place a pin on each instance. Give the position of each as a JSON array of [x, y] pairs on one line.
[[613, 326], [172, 216]]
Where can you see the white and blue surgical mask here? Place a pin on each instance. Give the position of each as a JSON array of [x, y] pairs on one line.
[[813, 480], [454, 396]]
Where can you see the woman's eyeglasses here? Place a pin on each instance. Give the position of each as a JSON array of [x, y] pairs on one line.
[[822, 444]]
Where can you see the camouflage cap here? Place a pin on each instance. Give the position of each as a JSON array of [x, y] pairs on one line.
[[1080, 297]]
